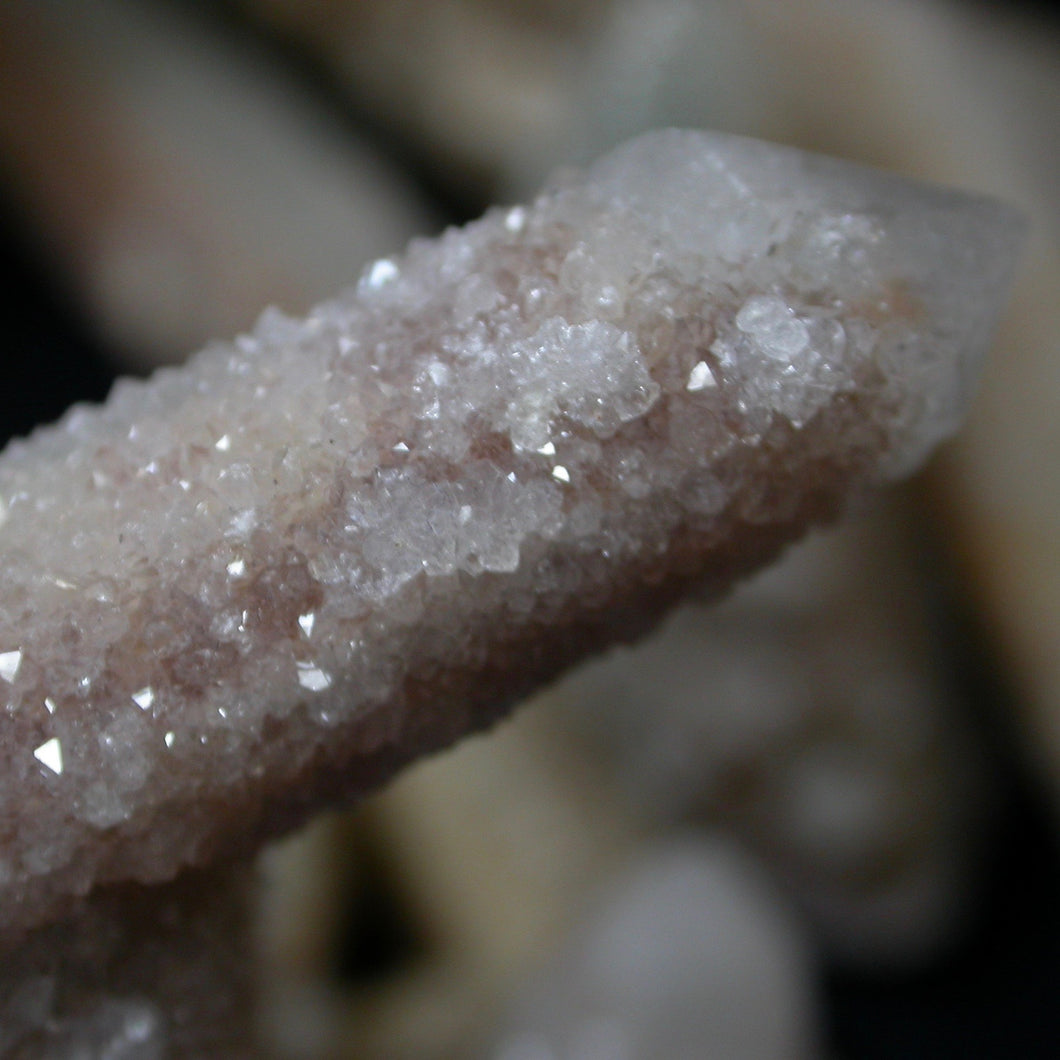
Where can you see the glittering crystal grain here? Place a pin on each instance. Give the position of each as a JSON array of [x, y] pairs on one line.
[[267, 579]]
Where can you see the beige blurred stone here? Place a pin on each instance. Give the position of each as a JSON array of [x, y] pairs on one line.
[[495, 95], [491, 849], [181, 182], [687, 951], [809, 714]]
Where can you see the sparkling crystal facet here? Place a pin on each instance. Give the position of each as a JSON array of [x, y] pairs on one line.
[[497, 452]]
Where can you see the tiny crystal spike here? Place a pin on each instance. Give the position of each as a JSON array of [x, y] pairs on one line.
[[264, 581]]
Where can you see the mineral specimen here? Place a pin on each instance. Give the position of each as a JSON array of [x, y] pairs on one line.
[[268, 579], [687, 952]]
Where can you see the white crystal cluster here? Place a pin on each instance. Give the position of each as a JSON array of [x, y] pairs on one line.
[[270, 577]]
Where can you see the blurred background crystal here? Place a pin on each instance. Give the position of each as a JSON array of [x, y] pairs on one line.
[[845, 781]]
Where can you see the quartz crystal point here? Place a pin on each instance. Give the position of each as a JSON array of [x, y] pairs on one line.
[[266, 580]]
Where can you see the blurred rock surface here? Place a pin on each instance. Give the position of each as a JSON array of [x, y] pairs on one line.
[[181, 182]]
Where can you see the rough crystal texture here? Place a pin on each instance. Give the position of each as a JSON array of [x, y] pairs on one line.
[[270, 577]]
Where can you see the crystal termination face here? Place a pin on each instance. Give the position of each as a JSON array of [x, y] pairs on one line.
[[266, 580]]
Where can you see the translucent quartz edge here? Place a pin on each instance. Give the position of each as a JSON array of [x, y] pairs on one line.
[[959, 249], [264, 582]]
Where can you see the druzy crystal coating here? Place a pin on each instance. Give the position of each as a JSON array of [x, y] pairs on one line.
[[268, 578]]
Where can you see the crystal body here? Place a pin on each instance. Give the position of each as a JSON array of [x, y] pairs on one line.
[[269, 578]]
